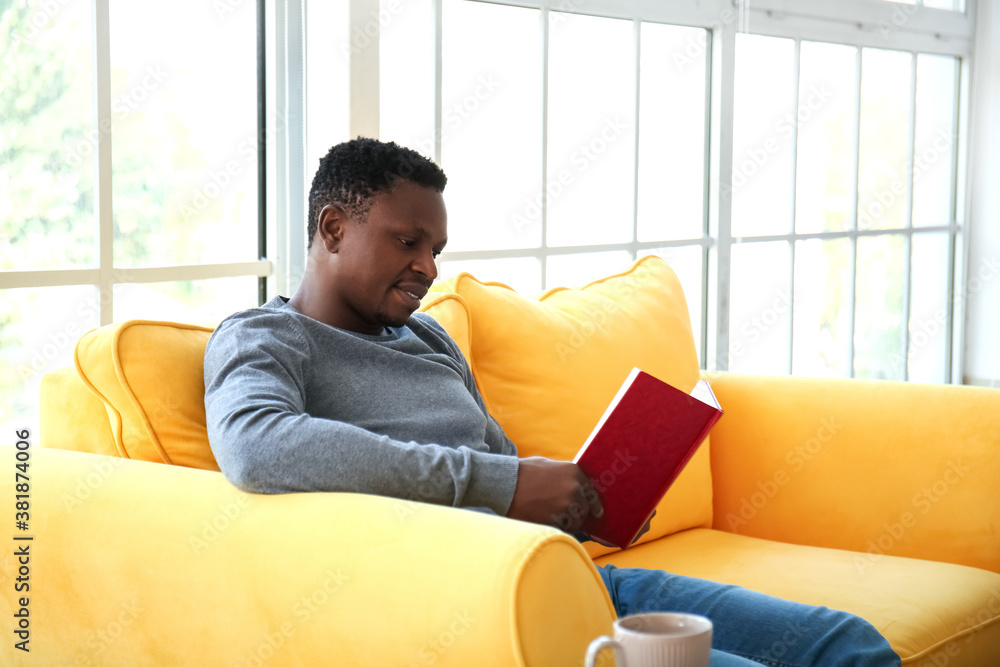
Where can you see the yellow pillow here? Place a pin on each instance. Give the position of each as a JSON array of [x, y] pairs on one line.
[[150, 376], [450, 308], [548, 367]]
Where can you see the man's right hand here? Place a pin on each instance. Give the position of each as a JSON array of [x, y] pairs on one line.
[[553, 493]]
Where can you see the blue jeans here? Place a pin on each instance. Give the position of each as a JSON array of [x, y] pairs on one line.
[[750, 626]]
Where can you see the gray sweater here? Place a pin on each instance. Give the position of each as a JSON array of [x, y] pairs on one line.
[[297, 405]]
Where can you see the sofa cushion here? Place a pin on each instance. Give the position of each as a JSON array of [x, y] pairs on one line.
[[149, 375], [932, 613], [452, 312], [548, 366]]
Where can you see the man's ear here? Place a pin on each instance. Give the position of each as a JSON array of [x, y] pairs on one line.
[[330, 229]]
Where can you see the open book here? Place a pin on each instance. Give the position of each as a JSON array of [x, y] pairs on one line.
[[640, 445]]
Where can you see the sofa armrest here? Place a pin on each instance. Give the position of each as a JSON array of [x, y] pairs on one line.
[[878, 467], [144, 563]]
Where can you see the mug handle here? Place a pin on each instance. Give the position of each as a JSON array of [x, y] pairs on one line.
[[599, 645]]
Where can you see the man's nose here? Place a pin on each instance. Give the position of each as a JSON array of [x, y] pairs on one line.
[[427, 266]]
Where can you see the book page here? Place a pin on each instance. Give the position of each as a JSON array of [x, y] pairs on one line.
[[703, 392]]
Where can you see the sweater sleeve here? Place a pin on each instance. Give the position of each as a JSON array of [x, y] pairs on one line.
[[265, 441]]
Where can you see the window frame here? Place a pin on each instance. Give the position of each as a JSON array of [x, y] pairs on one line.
[[860, 23], [106, 275], [282, 172]]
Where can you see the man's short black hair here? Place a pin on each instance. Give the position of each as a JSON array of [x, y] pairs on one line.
[[353, 173]]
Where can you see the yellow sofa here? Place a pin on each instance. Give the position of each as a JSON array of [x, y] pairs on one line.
[[878, 498]]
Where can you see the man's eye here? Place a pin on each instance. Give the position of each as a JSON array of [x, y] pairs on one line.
[[436, 254], [408, 243]]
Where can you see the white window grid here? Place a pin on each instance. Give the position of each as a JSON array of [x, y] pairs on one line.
[[105, 275], [862, 23], [859, 23]]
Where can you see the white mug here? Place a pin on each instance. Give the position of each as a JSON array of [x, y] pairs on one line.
[[657, 640]]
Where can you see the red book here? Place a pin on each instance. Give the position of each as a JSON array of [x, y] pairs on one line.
[[642, 442]]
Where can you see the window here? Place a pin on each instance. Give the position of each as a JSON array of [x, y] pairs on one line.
[[137, 201], [538, 119], [576, 143], [850, 160], [801, 166]]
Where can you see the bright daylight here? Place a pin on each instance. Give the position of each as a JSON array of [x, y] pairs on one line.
[[500, 333]]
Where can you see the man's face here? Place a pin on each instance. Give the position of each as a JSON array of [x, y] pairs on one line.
[[385, 265]]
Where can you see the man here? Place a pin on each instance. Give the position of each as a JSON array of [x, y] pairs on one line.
[[344, 387]]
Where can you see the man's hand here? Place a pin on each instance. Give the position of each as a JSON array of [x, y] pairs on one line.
[[553, 493]]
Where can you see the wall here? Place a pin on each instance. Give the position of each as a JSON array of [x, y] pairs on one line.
[[982, 340]]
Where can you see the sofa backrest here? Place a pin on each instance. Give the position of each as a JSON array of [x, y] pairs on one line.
[[71, 416], [547, 367]]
